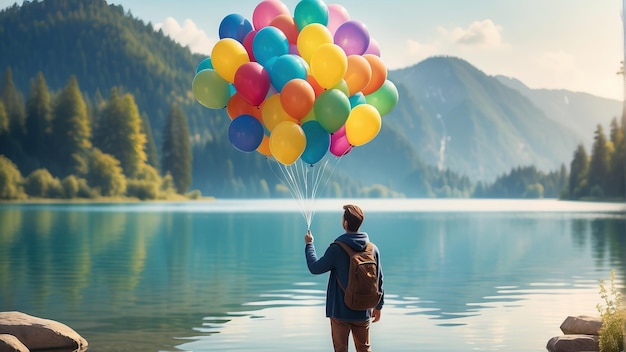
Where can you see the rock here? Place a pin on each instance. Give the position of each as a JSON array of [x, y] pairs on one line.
[[573, 343], [581, 325], [41, 334], [10, 343]]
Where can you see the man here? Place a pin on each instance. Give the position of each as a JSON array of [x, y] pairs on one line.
[[344, 320]]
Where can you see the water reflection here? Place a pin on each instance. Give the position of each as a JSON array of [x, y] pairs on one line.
[[148, 277]]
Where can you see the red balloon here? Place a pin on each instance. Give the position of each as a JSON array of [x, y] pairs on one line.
[[297, 98], [247, 43], [252, 81]]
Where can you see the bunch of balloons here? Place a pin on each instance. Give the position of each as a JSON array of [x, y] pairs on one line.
[[296, 87]]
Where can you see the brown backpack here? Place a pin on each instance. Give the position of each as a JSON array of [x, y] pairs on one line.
[[362, 291]]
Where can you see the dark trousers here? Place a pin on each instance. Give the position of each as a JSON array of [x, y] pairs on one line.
[[340, 330]]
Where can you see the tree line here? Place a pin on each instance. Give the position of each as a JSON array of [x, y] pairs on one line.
[[63, 145], [600, 175]]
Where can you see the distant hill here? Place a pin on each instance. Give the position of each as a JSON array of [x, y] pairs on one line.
[[450, 114], [490, 126], [581, 112]]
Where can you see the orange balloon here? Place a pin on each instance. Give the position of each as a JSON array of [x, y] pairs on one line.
[[273, 112], [288, 26], [297, 98], [316, 86], [358, 75], [238, 106], [379, 73], [264, 148]]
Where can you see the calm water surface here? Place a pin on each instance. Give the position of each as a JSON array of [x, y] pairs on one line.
[[460, 275]]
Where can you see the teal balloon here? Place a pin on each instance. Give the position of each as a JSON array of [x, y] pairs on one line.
[[384, 99], [204, 64], [310, 11], [317, 142], [332, 109], [285, 68], [210, 89], [357, 99], [269, 43]]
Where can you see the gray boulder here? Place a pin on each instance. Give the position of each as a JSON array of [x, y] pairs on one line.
[[41, 334], [582, 325], [10, 343], [573, 343]]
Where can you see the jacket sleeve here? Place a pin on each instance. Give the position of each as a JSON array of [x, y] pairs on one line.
[[323, 264]]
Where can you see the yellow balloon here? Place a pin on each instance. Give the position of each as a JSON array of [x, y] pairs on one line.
[[363, 124], [311, 38], [227, 56], [328, 65], [273, 113], [287, 142]]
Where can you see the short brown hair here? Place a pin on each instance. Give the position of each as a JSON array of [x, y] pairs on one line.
[[354, 216]]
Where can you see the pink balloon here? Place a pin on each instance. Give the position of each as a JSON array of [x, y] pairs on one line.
[[339, 145], [266, 11], [252, 82], [373, 48], [247, 43], [337, 15]]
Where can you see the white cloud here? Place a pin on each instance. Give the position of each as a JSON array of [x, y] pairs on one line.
[[417, 50], [484, 34], [187, 35]]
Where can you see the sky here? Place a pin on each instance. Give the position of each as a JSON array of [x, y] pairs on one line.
[[576, 45]]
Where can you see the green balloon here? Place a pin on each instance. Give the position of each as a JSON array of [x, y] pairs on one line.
[[332, 109], [210, 89], [384, 99]]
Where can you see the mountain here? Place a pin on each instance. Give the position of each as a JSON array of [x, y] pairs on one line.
[[474, 124], [452, 119], [581, 112]]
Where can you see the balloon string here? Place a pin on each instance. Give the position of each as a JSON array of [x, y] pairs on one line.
[[304, 181]]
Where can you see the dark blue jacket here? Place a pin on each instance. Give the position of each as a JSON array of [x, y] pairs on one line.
[[337, 262]]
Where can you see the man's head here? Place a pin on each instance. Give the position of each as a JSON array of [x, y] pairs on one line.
[[352, 217]]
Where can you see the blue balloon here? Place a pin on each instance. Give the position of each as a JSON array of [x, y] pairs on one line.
[[245, 133], [317, 142], [204, 64], [269, 42], [357, 99], [235, 26], [285, 68]]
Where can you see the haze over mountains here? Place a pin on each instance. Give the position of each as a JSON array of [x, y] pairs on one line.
[[450, 114]]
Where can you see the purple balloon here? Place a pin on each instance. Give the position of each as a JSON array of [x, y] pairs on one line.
[[353, 37]]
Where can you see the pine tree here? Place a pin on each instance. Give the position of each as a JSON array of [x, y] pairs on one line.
[[616, 177], [38, 115], [71, 129], [579, 170], [119, 132], [14, 105], [176, 151], [4, 121], [599, 164], [11, 141], [151, 149]]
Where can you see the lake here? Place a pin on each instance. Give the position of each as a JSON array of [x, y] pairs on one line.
[[230, 275]]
